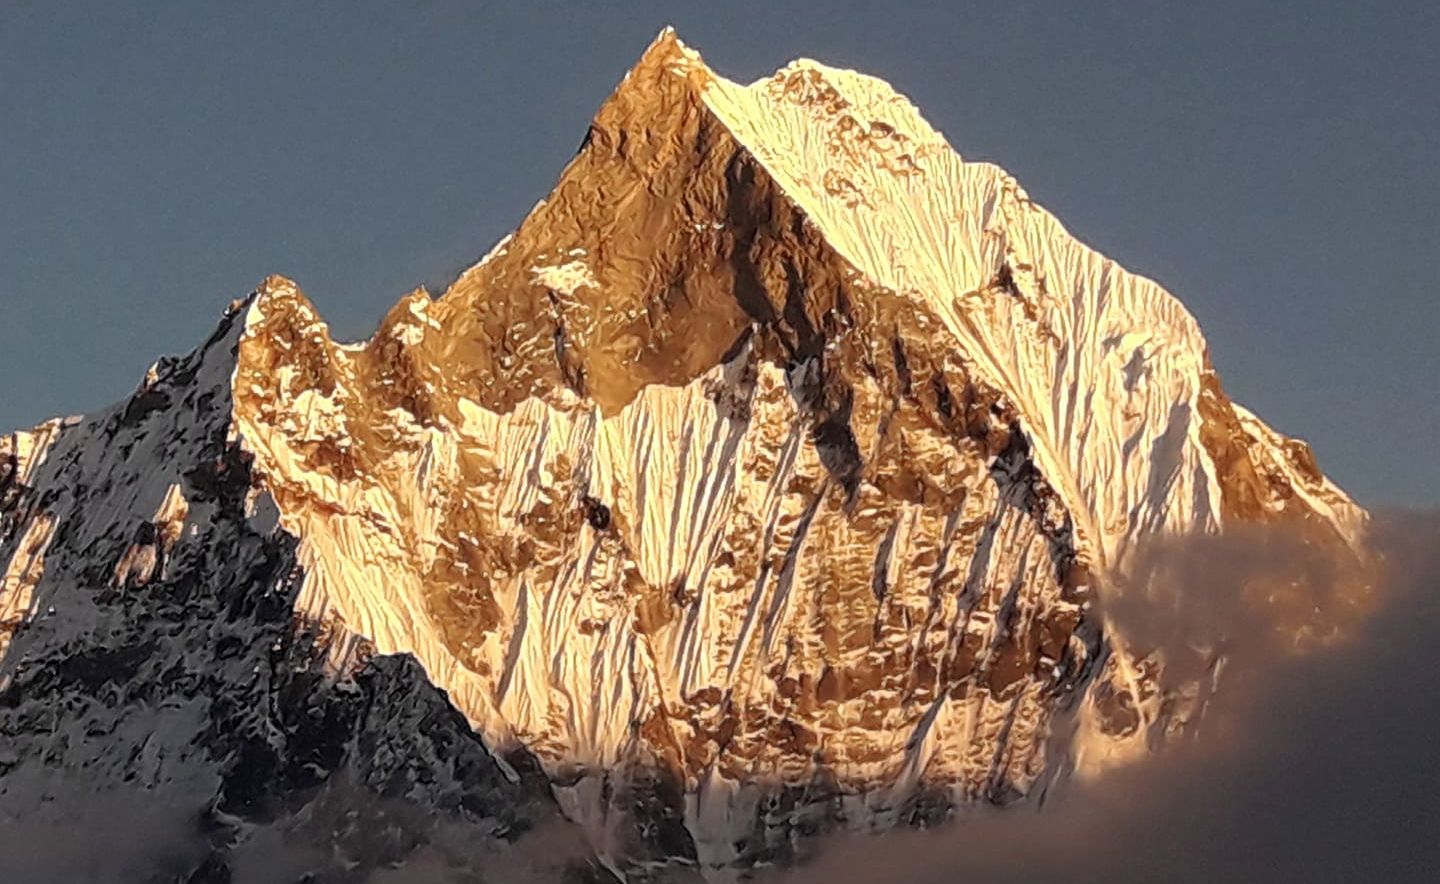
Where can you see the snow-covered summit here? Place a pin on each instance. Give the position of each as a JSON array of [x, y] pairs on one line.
[[761, 483], [1059, 327]]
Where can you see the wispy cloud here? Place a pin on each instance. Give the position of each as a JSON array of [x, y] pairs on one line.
[[1316, 763]]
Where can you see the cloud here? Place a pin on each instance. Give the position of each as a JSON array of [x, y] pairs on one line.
[[1319, 761], [88, 834], [400, 843]]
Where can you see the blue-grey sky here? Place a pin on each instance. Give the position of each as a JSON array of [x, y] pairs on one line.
[[1274, 165]]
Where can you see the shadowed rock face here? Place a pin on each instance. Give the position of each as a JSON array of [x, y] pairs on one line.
[[761, 484]]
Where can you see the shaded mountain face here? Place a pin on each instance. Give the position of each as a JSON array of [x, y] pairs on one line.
[[768, 480]]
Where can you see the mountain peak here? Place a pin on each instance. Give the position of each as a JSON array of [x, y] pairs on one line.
[[785, 314], [776, 460]]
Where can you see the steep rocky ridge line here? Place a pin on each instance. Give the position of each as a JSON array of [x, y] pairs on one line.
[[155, 665]]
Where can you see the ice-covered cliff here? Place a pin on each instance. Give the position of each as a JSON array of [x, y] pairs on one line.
[[763, 482]]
